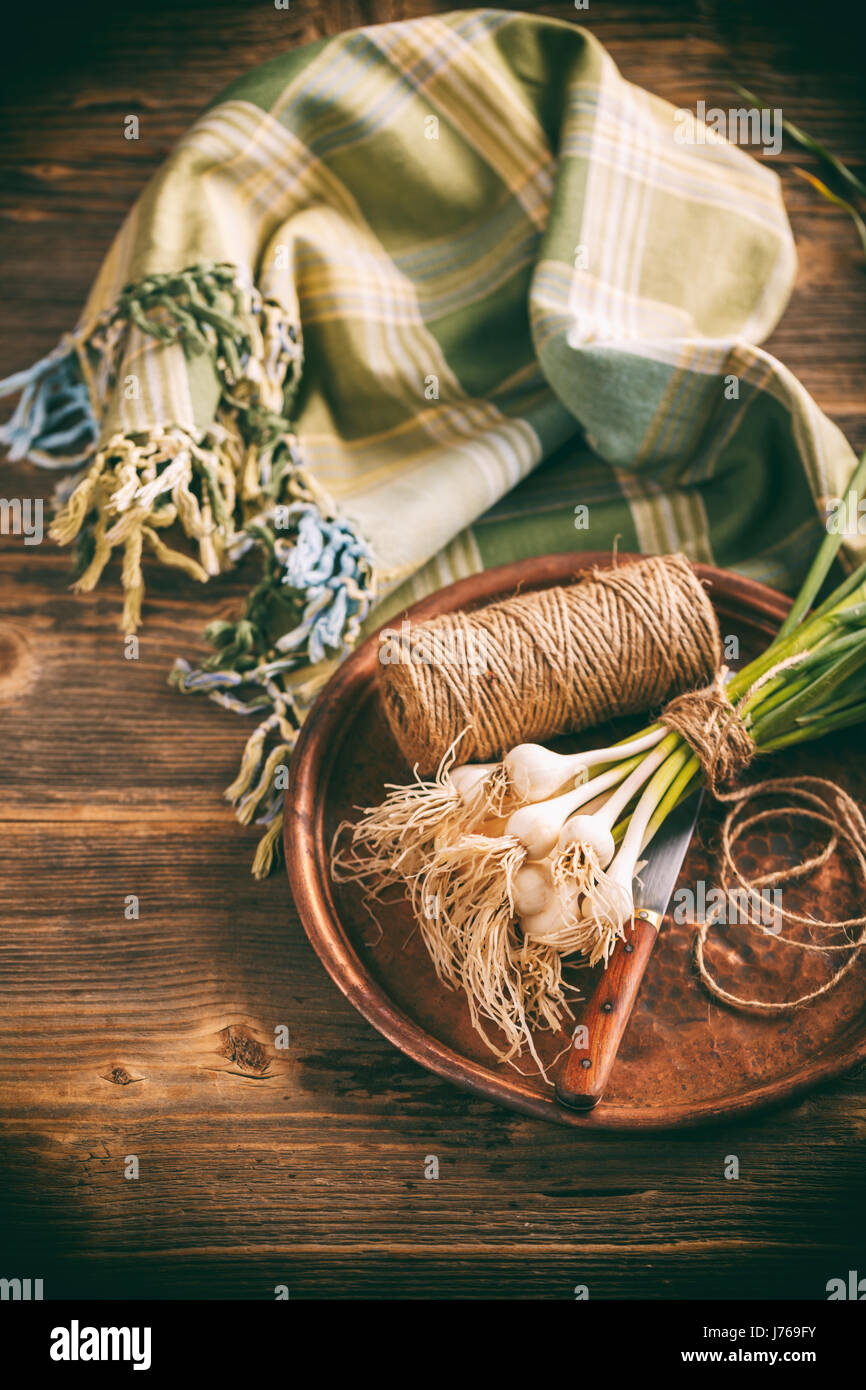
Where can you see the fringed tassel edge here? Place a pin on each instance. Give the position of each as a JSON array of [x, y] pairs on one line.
[[237, 485], [136, 483], [318, 565], [208, 308]]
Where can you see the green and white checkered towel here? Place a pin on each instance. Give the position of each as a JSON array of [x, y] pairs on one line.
[[410, 302]]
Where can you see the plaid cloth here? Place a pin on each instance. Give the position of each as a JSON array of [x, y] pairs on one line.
[[413, 301]]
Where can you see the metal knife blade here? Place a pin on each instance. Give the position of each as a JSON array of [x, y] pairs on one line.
[[665, 854], [587, 1066]]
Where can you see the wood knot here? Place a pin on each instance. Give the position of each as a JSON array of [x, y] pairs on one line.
[[16, 661], [244, 1050], [119, 1076]]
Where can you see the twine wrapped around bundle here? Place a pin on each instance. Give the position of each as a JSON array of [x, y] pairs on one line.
[[620, 641], [714, 729]]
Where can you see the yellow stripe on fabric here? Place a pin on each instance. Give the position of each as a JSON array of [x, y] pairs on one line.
[[461, 91], [650, 513]]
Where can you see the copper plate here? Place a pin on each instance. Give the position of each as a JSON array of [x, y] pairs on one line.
[[685, 1059]]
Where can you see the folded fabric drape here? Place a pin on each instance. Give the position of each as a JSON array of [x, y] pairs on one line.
[[380, 281]]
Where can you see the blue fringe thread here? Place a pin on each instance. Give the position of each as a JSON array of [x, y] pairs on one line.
[[53, 414]]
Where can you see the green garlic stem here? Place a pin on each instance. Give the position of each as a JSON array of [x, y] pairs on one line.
[[636, 837], [619, 799], [820, 566]]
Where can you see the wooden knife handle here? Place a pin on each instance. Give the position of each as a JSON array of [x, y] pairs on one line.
[[584, 1075]]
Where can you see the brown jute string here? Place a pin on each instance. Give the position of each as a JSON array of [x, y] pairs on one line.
[[565, 658], [713, 727], [818, 802], [708, 721]]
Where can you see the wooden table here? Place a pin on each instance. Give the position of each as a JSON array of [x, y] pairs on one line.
[[154, 1036]]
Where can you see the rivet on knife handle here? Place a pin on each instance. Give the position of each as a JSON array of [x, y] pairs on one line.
[[585, 1072]]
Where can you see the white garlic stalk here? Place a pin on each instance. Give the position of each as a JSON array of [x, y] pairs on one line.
[[535, 773], [588, 839], [537, 825], [468, 776], [609, 903], [552, 923]]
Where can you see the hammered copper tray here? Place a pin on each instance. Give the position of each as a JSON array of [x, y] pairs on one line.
[[685, 1059]]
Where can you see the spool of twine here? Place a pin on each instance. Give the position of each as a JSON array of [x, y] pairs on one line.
[[549, 662]]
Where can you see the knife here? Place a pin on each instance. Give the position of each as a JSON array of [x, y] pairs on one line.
[[586, 1070]]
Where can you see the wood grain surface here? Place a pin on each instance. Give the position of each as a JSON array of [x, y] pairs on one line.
[[305, 1166]]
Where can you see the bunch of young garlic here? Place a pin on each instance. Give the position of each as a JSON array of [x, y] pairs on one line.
[[511, 868]]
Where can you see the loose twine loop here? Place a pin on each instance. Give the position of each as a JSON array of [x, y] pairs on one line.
[[812, 800], [714, 728]]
